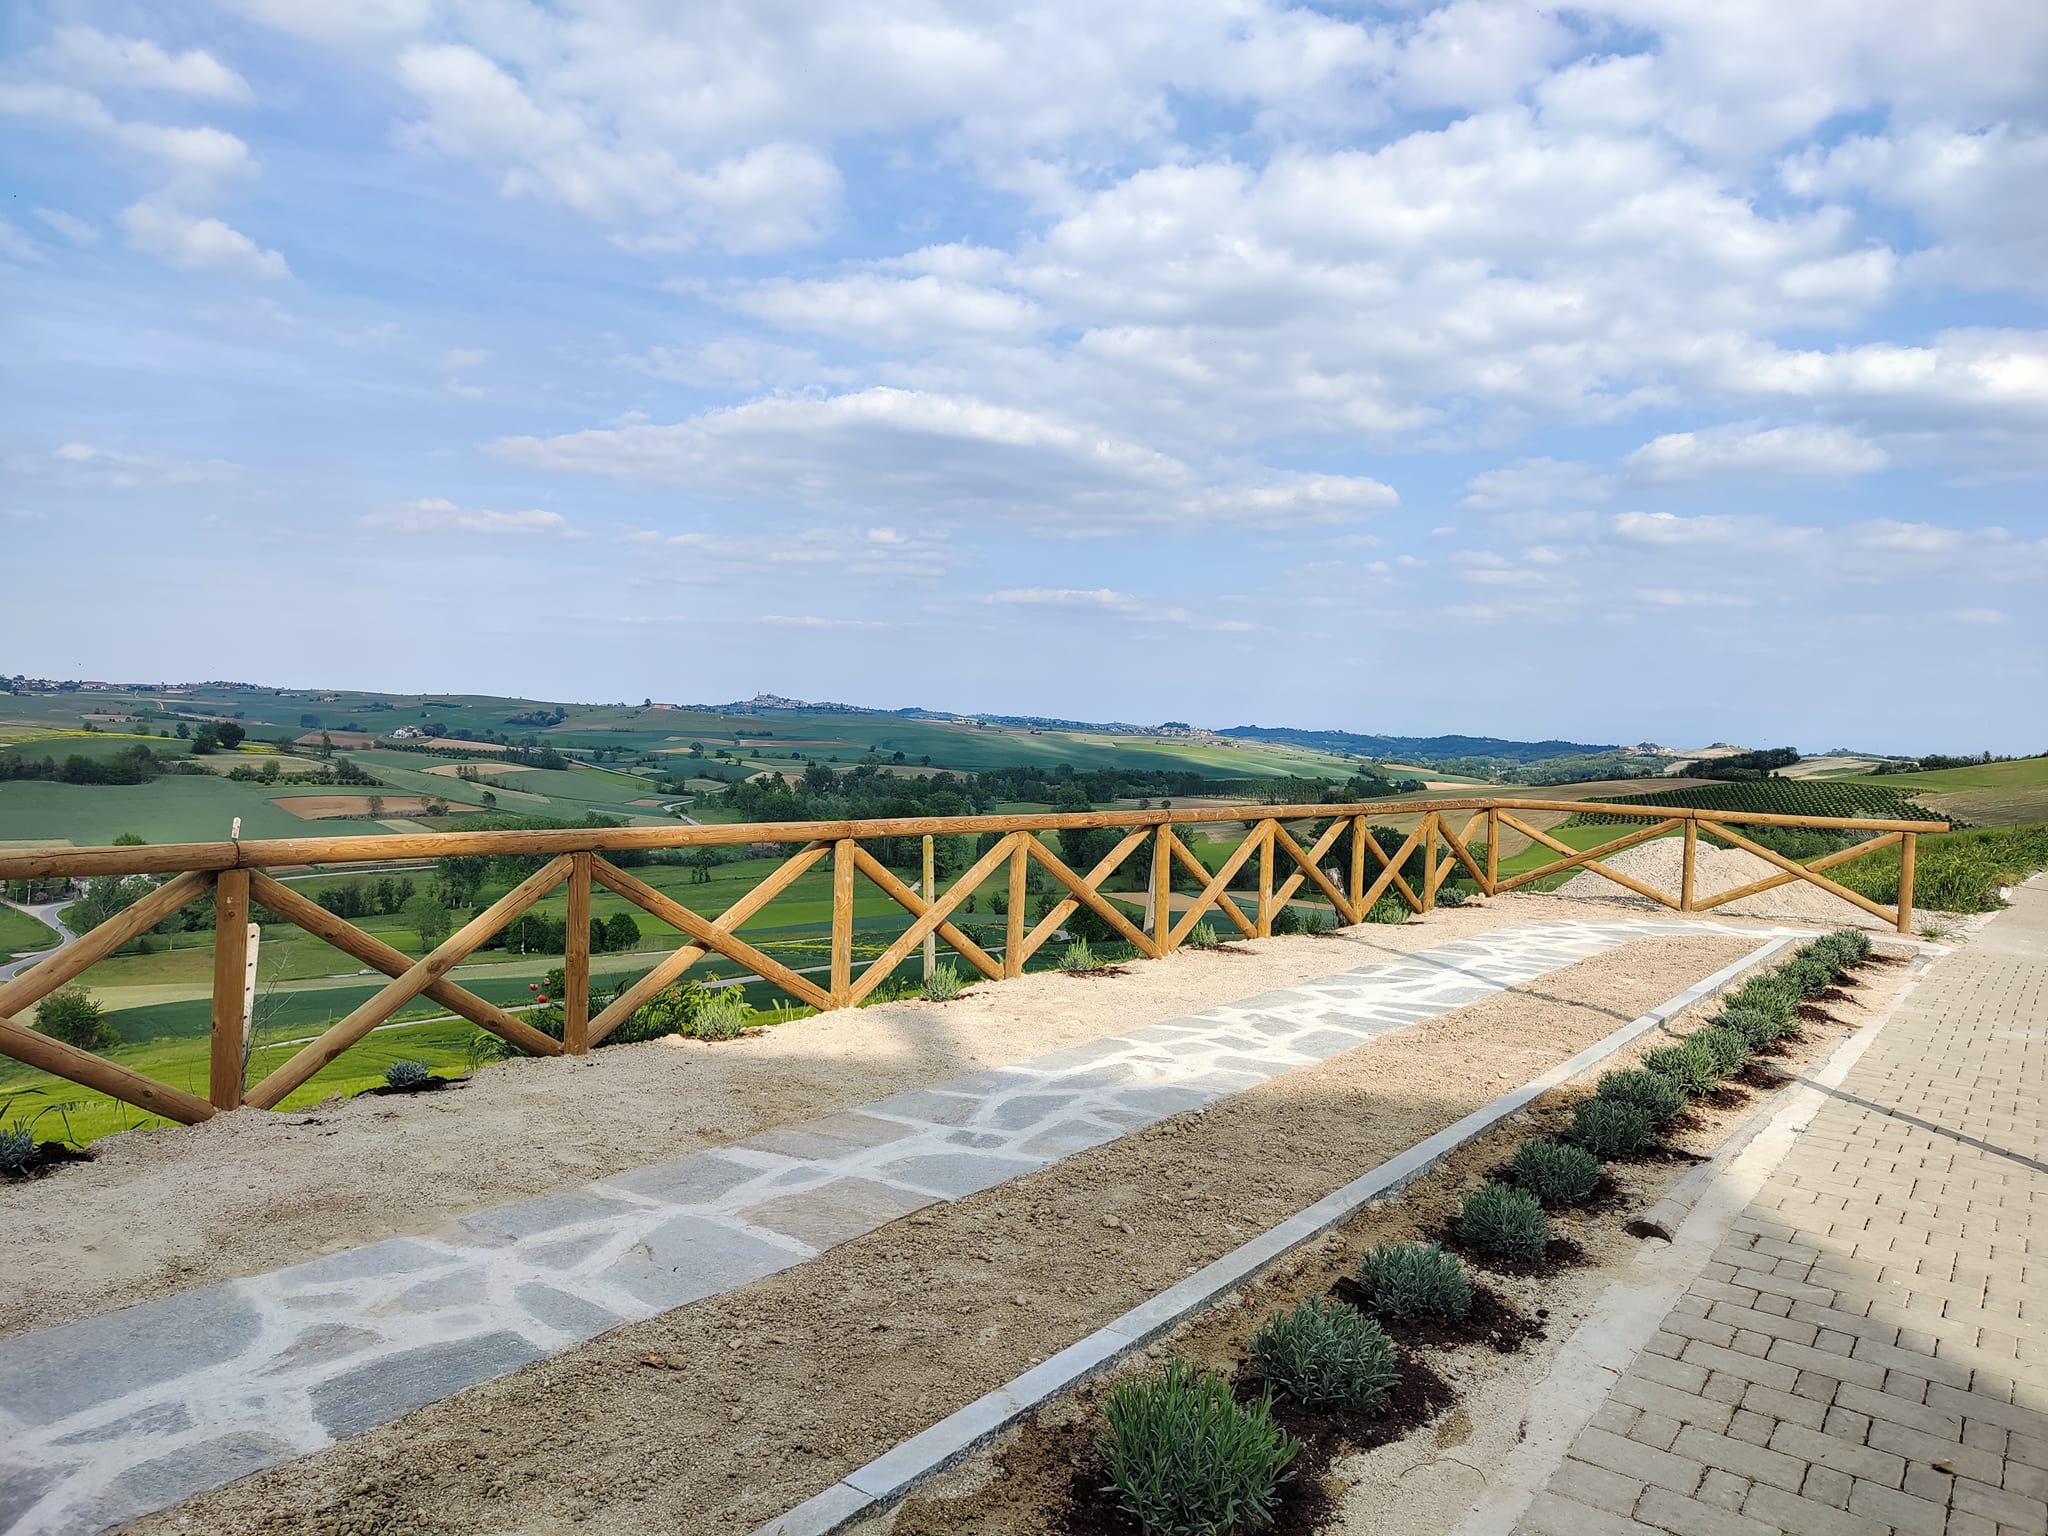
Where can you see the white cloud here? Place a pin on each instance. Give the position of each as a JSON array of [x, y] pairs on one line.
[[1536, 483], [942, 455], [819, 621], [121, 469], [196, 243], [15, 246], [78, 231], [1104, 600], [1771, 453], [138, 64], [437, 515]]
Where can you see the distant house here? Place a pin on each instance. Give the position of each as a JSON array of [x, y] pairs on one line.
[[408, 733]]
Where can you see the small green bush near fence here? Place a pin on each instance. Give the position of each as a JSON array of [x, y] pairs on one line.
[[1326, 1355]]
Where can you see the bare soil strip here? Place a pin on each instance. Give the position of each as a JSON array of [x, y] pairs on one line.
[[718, 1416]]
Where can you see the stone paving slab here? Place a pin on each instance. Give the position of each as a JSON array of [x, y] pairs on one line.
[[151, 1404], [1867, 1351]]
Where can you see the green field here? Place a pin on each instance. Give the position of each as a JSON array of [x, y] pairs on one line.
[[21, 934], [1883, 799], [1984, 794]]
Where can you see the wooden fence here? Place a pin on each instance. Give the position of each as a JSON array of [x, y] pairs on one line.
[[237, 875]]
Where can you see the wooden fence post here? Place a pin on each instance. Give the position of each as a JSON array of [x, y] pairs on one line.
[[576, 960], [1686, 880], [230, 965], [1265, 922], [1160, 898], [1358, 837], [842, 922], [1013, 936], [1492, 849], [1908, 850], [1429, 862], [931, 940]]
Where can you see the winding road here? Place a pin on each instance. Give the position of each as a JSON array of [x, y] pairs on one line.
[[46, 915]]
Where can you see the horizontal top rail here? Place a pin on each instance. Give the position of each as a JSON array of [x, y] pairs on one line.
[[279, 853]]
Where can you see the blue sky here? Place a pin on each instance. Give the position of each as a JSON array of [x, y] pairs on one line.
[[1639, 370]]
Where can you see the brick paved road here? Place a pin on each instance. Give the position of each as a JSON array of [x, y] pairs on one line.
[[1866, 1352]]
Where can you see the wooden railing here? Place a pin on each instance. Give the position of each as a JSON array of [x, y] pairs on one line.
[[237, 874]]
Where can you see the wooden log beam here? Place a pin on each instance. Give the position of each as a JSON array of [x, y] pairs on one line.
[[96, 1072], [1294, 882], [1218, 883], [930, 918], [1085, 890], [1309, 868], [1194, 866], [1588, 858], [1013, 909], [915, 905], [842, 922], [1390, 871], [230, 984], [709, 934], [1461, 854], [671, 970], [373, 951], [1802, 872], [46, 976], [1161, 915], [576, 960], [1772, 882], [1908, 852], [283, 852], [403, 988]]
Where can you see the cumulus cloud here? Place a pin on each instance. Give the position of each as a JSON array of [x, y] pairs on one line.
[[82, 463], [437, 515], [136, 63], [197, 243], [1775, 453], [943, 455]]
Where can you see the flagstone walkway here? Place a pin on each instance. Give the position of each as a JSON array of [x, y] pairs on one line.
[[118, 1415], [1867, 1351]]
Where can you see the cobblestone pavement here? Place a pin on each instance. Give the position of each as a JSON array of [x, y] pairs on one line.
[[1865, 1352], [115, 1416]]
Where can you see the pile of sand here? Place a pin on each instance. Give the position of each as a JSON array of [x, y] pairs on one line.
[[1660, 865]]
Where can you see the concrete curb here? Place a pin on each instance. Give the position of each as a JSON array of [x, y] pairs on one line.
[[891, 1477]]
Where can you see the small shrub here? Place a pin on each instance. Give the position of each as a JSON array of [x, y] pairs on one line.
[[1687, 1064], [1453, 896], [1555, 1172], [1724, 1046], [1286, 920], [722, 1015], [1768, 993], [1315, 920], [944, 984], [1608, 1128], [1185, 1459], [1755, 1026], [1326, 1355], [1652, 1092], [1502, 1222], [1079, 957], [407, 1074], [1853, 943], [17, 1150], [1810, 975], [1388, 909], [486, 1048], [1415, 1280], [1202, 936]]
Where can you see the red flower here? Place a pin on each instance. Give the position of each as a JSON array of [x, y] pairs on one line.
[[543, 997]]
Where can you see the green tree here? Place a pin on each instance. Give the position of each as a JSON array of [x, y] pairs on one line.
[[184, 731], [621, 932], [129, 840], [72, 1015], [427, 918]]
